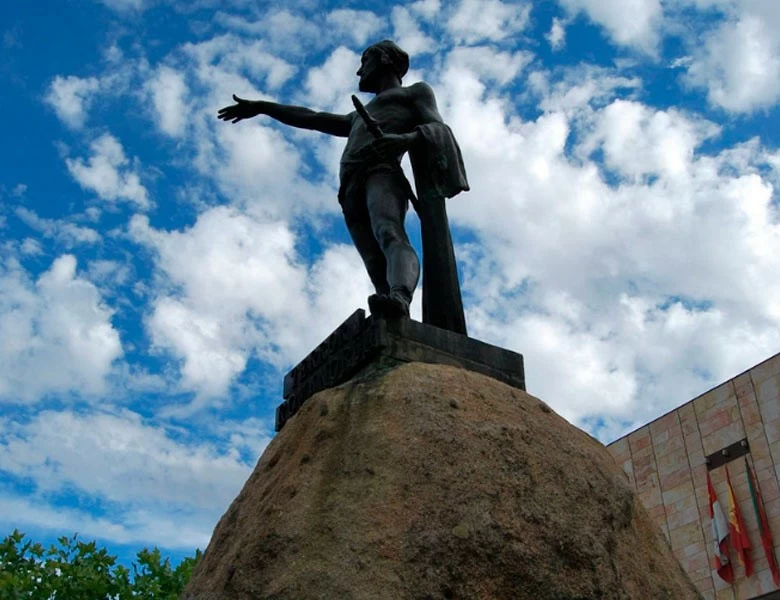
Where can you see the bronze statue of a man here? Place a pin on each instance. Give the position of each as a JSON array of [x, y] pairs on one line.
[[374, 194]]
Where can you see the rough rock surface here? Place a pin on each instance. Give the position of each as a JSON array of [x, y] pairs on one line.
[[432, 482]]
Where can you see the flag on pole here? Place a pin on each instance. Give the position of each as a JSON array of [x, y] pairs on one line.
[[739, 538], [720, 533], [763, 524]]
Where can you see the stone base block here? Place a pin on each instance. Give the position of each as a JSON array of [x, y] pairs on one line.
[[361, 341]]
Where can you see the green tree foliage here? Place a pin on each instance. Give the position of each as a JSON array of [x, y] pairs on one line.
[[76, 570]]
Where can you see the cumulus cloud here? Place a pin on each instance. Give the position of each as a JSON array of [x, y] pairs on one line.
[[639, 141], [57, 334], [31, 247], [284, 33], [67, 233], [488, 63], [360, 25], [108, 173], [329, 86], [476, 21], [259, 163], [124, 5], [633, 23], [169, 97], [127, 459], [408, 34], [158, 483], [70, 98], [108, 272], [245, 291], [627, 277], [226, 59], [626, 250], [738, 62], [577, 90], [557, 34], [426, 9], [135, 527], [735, 57]]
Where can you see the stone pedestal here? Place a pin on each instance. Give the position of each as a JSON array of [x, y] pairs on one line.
[[361, 342], [426, 481]]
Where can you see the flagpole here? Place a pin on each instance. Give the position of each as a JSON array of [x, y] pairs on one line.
[[765, 531]]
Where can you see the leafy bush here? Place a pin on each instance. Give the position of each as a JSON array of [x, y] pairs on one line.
[[76, 570]]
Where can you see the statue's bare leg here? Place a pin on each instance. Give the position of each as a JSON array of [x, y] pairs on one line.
[[387, 205], [359, 226]]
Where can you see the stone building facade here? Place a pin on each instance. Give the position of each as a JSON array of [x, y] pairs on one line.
[[667, 461]]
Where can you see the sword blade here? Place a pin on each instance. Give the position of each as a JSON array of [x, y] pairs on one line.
[[375, 130], [371, 124]]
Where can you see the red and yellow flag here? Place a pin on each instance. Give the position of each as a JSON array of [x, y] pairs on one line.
[[720, 535], [737, 532], [763, 524]]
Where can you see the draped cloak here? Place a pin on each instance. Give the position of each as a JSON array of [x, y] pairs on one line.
[[439, 173]]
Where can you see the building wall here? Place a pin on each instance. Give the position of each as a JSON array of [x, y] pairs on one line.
[[665, 461]]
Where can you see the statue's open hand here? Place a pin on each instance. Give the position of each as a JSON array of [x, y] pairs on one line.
[[243, 109]]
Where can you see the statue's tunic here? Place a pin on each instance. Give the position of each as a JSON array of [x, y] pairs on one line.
[[439, 173]]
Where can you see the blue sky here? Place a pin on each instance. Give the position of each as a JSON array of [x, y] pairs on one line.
[[161, 270]]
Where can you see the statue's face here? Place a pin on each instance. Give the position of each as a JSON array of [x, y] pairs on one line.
[[370, 68]]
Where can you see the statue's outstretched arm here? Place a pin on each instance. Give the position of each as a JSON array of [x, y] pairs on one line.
[[295, 116]]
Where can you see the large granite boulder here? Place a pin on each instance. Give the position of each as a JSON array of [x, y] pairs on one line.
[[433, 482]]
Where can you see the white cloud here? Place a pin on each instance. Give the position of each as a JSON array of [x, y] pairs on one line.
[[569, 269], [426, 9], [283, 32], [488, 63], [652, 179], [634, 23], [123, 6], [487, 20], [632, 264], [213, 353], [135, 527], [579, 89], [734, 57], [106, 173], [738, 63], [258, 163], [158, 483], [244, 291], [329, 86], [360, 25], [227, 57], [68, 234], [257, 166], [31, 247], [118, 457], [639, 141], [169, 95], [70, 97], [57, 334], [557, 34], [108, 272], [407, 33]]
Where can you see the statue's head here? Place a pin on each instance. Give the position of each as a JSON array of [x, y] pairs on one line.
[[377, 60]]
